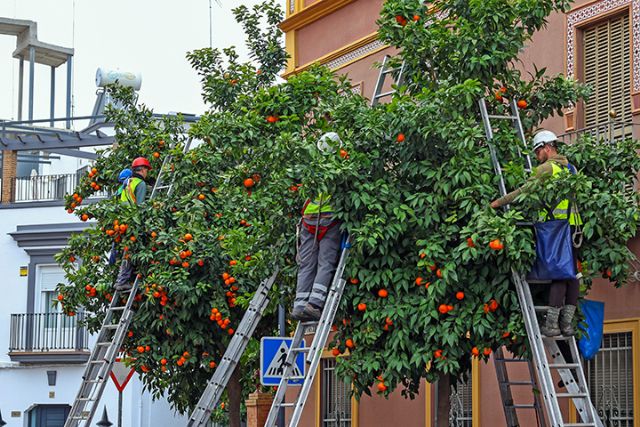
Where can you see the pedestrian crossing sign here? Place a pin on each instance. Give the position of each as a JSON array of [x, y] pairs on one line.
[[273, 354]]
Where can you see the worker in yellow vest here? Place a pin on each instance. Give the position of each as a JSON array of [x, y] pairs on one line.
[[318, 248], [134, 193], [563, 295]]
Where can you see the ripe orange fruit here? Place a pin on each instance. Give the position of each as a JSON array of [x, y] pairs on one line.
[[506, 334], [133, 238], [433, 267], [449, 307], [335, 352], [388, 321], [354, 281], [400, 137], [156, 154], [362, 306], [416, 18], [486, 351], [249, 182], [382, 293], [475, 352], [460, 296], [437, 354], [185, 264], [493, 305], [344, 154], [140, 349], [201, 196], [503, 89], [498, 96], [84, 217], [381, 387], [212, 364], [225, 276], [60, 297], [443, 309], [147, 348], [419, 281], [349, 343], [72, 259], [522, 103], [496, 245], [272, 119], [233, 262], [470, 242], [423, 255], [439, 273], [130, 334], [163, 361], [230, 331]]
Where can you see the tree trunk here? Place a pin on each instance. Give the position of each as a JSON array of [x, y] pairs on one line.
[[234, 390], [444, 401]]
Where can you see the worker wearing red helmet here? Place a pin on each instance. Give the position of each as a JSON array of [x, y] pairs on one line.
[[136, 188], [134, 193]]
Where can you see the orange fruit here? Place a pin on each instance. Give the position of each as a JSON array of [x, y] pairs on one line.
[[156, 154], [233, 262], [419, 281], [147, 348], [362, 306], [60, 297], [84, 217], [400, 137], [133, 238], [354, 281], [188, 237], [349, 343], [140, 349], [382, 293], [460, 295], [493, 305], [439, 273], [212, 364], [496, 245], [335, 352], [230, 331], [443, 309], [470, 242], [272, 119], [72, 259], [381, 387], [437, 354], [185, 264], [201, 196], [416, 18], [225, 276], [522, 103], [506, 334], [486, 351], [498, 96], [475, 352], [344, 154], [163, 361], [249, 182]]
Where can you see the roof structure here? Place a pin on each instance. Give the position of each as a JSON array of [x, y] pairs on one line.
[[27, 37]]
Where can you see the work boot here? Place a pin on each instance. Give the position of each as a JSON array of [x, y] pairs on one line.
[[550, 327], [296, 313], [566, 320], [123, 286], [311, 313]]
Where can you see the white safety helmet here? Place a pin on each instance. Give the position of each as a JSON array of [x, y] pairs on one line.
[[329, 142], [542, 138]]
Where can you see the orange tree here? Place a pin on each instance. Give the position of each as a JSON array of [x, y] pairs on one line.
[[429, 276]]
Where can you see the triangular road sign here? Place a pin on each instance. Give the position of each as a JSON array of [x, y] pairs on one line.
[[277, 365], [121, 374]]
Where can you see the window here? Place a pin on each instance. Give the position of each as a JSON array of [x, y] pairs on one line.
[[461, 411], [607, 68], [610, 379], [48, 277], [335, 397], [48, 415]]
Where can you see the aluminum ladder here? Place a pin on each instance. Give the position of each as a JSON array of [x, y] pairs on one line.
[[218, 382], [572, 374], [314, 352], [385, 70], [114, 328]]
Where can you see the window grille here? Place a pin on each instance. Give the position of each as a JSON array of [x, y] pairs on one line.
[[610, 380], [607, 68], [461, 412], [335, 397]]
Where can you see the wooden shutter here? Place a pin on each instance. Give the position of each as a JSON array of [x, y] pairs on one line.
[[607, 68]]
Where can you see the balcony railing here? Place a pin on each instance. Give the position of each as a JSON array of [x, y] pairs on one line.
[[610, 132], [47, 332], [45, 187]]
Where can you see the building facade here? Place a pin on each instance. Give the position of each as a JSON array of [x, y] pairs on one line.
[[43, 352], [597, 42]]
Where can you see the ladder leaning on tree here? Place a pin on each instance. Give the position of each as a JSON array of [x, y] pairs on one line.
[[111, 335], [571, 372]]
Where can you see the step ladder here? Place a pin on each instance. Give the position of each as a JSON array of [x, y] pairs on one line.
[[313, 352], [218, 382], [385, 70], [571, 372], [506, 386], [112, 333]]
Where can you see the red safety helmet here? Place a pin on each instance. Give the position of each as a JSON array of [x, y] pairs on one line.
[[141, 161]]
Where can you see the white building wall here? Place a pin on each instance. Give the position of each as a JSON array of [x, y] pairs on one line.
[[23, 386]]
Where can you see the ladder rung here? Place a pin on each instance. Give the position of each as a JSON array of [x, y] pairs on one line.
[[521, 406], [558, 338], [301, 349], [564, 365], [103, 343], [542, 307], [114, 326], [516, 383], [572, 395], [80, 417], [86, 399], [503, 117], [286, 405], [95, 362], [297, 377], [383, 94], [579, 424], [119, 308]]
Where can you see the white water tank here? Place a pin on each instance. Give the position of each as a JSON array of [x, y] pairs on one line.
[[105, 76]]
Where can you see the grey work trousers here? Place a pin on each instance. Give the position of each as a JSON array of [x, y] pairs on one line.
[[317, 262]]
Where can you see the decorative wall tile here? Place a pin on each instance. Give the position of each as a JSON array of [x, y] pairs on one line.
[[355, 54]]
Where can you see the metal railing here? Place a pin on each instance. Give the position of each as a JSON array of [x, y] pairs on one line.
[[46, 187], [40, 332], [611, 132]]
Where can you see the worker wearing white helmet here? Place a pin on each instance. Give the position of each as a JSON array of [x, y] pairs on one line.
[[563, 295], [318, 246]]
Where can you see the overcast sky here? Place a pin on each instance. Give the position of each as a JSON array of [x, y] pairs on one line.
[[151, 37]]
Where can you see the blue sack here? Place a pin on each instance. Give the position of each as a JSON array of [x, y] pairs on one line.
[[554, 252], [589, 344]]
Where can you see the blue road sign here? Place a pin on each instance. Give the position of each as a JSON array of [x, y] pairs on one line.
[[273, 354]]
